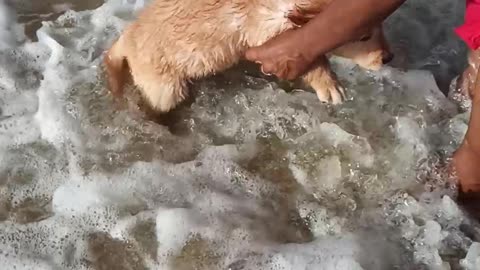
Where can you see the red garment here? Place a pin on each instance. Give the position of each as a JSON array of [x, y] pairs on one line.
[[469, 32]]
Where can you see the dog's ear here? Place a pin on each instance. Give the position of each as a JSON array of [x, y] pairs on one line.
[[300, 16]]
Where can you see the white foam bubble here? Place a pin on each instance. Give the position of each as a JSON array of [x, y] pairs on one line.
[[7, 18], [174, 226], [472, 260]]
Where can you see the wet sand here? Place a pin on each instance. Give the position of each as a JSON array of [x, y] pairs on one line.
[[32, 13]]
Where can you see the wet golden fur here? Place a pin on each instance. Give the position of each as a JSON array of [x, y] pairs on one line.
[[174, 41]]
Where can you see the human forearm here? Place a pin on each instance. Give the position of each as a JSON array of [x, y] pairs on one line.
[[294, 52], [343, 21]]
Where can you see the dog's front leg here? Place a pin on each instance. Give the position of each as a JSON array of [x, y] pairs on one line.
[[324, 81]]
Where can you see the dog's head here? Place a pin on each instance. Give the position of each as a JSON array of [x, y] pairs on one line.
[[371, 51]]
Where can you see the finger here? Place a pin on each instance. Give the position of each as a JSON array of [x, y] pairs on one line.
[[282, 74], [291, 75], [282, 71], [292, 70], [264, 72], [268, 68]]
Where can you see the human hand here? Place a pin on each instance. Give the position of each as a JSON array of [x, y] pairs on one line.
[[284, 56]]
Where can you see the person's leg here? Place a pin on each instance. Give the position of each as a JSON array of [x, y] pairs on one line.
[[466, 160], [466, 82]]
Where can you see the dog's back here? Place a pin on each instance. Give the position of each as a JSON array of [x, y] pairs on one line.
[[173, 41], [199, 37], [190, 39]]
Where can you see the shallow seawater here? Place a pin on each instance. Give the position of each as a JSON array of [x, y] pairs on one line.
[[250, 175]]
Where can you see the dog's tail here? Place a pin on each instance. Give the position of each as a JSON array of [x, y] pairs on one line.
[[116, 68]]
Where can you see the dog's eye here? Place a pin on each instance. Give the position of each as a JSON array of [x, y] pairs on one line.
[[365, 38]]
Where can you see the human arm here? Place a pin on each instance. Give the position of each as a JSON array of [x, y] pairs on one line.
[[293, 53]]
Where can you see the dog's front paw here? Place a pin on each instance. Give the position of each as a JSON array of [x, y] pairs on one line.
[[325, 83], [333, 93]]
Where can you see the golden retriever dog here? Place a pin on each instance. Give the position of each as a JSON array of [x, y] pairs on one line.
[[173, 42]]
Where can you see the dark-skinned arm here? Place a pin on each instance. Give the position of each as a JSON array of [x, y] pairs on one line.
[[293, 53]]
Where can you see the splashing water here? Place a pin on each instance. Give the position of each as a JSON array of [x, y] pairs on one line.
[[246, 177]]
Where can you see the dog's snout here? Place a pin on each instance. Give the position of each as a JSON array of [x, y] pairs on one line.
[[387, 57]]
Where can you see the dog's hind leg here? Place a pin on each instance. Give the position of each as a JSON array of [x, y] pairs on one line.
[[163, 92], [324, 81], [116, 68]]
